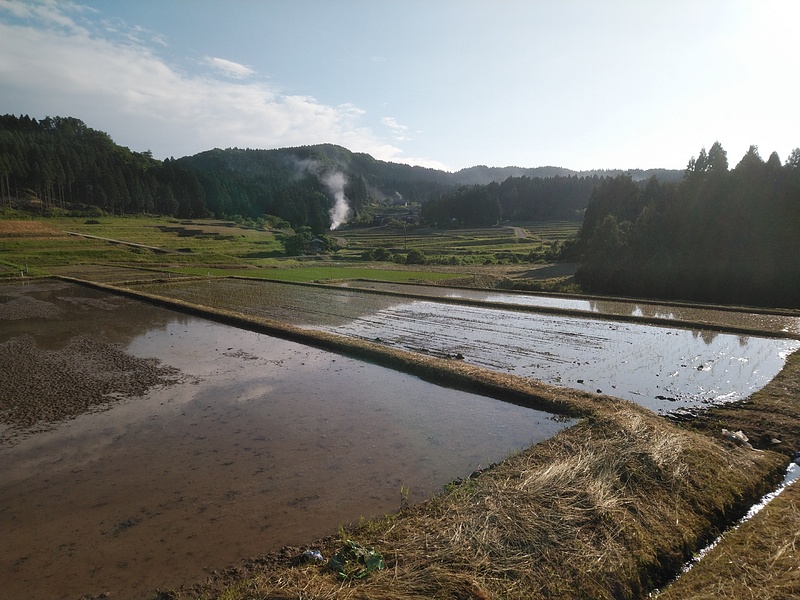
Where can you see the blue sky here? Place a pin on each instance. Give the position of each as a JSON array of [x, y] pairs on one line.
[[441, 83]]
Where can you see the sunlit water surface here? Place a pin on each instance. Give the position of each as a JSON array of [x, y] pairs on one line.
[[661, 368], [742, 319]]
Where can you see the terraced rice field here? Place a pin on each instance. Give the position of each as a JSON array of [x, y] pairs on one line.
[[666, 369], [143, 448]]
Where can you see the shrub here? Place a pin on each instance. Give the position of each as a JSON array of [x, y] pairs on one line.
[[415, 257]]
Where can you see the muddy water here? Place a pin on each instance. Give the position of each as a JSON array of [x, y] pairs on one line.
[[264, 443], [769, 322]]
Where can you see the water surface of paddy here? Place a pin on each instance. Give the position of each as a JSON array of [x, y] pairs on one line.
[[263, 443], [764, 320], [662, 368]]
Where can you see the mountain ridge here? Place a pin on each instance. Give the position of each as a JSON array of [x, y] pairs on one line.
[[344, 158]]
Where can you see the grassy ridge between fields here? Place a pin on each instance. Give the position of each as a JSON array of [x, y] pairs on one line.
[[757, 560], [609, 508]]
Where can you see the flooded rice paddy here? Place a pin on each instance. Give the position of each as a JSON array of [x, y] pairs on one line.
[[665, 369], [766, 321], [257, 444]]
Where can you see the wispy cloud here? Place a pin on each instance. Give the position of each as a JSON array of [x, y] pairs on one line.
[[52, 64], [47, 12], [398, 130], [228, 67]]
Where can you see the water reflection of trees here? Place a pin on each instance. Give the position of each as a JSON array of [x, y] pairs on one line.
[[290, 303], [633, 309], [717, 317], [80, 310], [707, 335]]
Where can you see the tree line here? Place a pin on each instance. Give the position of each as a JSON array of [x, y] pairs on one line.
[[61, 163], [719, 235], [515, 199]]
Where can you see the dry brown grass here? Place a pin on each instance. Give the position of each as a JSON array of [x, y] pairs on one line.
[[27, 229], [759, 560]]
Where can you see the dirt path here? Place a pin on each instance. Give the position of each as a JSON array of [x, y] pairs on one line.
[[122, 242]]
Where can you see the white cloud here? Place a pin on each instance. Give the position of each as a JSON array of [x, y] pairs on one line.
[[429, 163], [398, 130], [120, 85], [46, 11], [228, 67]]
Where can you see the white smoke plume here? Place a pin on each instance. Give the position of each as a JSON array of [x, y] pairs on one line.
[[340, 211], [335, 181]]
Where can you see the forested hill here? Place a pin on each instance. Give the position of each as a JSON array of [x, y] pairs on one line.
[[722, 235], [61, 162], [483, 175]]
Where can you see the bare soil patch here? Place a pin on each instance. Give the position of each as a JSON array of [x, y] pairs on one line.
[[27, 308]]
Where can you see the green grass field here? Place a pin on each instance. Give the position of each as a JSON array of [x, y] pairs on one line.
[[502, 244], [321, 273], [58, 245]]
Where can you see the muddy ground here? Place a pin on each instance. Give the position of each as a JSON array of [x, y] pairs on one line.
[[45, 386]]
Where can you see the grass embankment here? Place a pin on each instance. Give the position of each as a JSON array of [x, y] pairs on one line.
[[45, 243], [213, 247], [462, 246], [758, 560], [609, 508], [42, 246]]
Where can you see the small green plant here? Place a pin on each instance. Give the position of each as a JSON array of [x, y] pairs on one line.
[[404, 491], [374, 526], [343, 533]]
